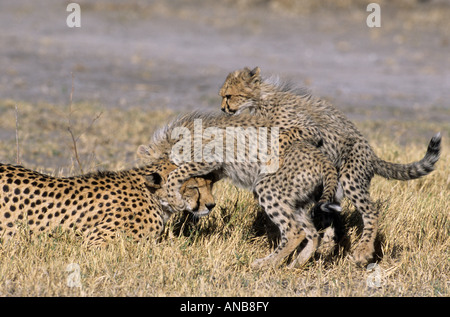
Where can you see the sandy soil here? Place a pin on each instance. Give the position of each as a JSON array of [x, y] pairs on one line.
[[161, 54]]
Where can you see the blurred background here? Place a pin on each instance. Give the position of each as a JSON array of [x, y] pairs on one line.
[[174, 55]]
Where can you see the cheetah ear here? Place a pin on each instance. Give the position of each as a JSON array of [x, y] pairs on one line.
[[254, 77], [214, 176], [255, 72], [148, 153], [153, 182], [143, 151]]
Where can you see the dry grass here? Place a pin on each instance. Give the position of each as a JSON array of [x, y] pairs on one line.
[[212, 257]]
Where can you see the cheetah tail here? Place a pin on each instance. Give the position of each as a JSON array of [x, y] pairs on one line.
[[326, 212], [327, 203], [412, 170]]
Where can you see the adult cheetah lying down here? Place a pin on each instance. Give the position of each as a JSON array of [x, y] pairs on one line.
[[96, 205], [288, 107]]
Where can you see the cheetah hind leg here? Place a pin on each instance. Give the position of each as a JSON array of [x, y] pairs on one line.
[[286, 246], [97, 236], [312, 237], [290, 230]]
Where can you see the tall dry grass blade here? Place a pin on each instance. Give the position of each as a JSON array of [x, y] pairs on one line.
[[17, 136]]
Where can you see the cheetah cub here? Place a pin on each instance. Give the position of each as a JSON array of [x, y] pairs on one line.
[[288, 107], [301, 173]]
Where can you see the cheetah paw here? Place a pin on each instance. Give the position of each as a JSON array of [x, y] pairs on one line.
[[362, 255]]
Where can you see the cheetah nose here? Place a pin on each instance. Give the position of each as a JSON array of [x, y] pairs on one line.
[[210, 206], [223, 109]]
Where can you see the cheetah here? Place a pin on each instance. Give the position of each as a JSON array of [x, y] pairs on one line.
[[284, 193], [286, 106], [97, 205]]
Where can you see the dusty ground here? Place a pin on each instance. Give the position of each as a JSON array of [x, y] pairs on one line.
[[161, 54]]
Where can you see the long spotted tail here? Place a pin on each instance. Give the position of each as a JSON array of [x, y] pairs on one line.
[[412, 170]]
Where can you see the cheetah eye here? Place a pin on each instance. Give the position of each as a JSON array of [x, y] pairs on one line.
[[228, 96]]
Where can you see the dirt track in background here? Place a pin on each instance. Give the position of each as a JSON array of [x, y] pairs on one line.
[[154, 55]]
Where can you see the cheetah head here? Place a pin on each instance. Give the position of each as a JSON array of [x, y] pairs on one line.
[[196, 193], [240, 90]]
